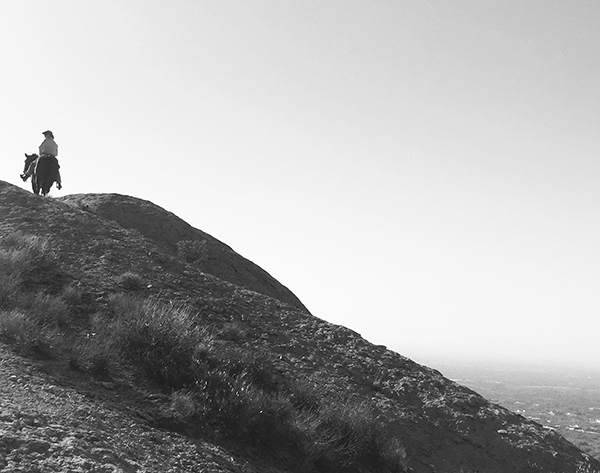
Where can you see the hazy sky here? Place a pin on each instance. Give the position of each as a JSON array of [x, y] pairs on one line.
[[423, 172]]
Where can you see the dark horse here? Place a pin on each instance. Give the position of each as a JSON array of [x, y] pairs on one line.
[[45, 172]]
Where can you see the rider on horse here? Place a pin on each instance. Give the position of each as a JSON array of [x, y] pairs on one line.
[[47, 148]]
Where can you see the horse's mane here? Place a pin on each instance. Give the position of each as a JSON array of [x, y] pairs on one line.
[[29, 158]]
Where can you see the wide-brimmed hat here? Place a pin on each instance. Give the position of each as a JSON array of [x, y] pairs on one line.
[[47, 132]]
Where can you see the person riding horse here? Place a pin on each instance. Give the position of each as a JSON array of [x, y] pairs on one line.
[[47, 148]]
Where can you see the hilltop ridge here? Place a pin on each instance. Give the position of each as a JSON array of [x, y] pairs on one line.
[[167, 230], [442, 427]]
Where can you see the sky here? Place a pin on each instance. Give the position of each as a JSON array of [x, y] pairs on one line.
[[423, 172]]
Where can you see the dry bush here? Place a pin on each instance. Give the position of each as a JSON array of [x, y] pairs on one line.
[[240, 393], [17, 326], [22, 331], [22, 259], [159, 339], [22, 254], [130, 281], [28, 318], [46, 310], [9, 289], [89, 356]]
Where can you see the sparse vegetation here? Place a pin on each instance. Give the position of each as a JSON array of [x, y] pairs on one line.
[[192, 251], [130, 281], [20, 257], [72, 295], [219, 388], [9, 288], [239, 392], [17, 327], [28, 318]]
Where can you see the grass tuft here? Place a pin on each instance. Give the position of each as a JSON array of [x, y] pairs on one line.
[[17, 326], [47, 310], [160, 340], [87, 355], [24, 332], [130, 281], [9, 289]]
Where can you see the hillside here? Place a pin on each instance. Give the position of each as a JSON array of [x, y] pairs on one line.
[[61, 412]]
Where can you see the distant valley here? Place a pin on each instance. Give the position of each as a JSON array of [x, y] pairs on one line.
[[567, 400]]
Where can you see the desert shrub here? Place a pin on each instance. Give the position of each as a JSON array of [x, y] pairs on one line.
[[46, 309], [125, 306], [9, 289], [21, 254], [159, 339], [323, 434], [240, 393], [130, 281], [21, 330], [260, 418], [233, 399], [342, 435], [17, 326], [192, 251], [27, 318], [26, 262], [88, 355]]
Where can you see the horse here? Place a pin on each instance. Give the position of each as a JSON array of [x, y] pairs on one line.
[[45, 172]]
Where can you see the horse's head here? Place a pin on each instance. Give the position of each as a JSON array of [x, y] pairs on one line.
[[29, 158]]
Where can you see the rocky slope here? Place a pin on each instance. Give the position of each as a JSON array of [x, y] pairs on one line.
[[166, 230], [52, 420]]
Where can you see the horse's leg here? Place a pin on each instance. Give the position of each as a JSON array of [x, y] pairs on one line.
[[35, 185], [36, 175]]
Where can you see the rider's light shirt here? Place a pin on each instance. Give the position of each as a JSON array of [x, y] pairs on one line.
[[49, 146]]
